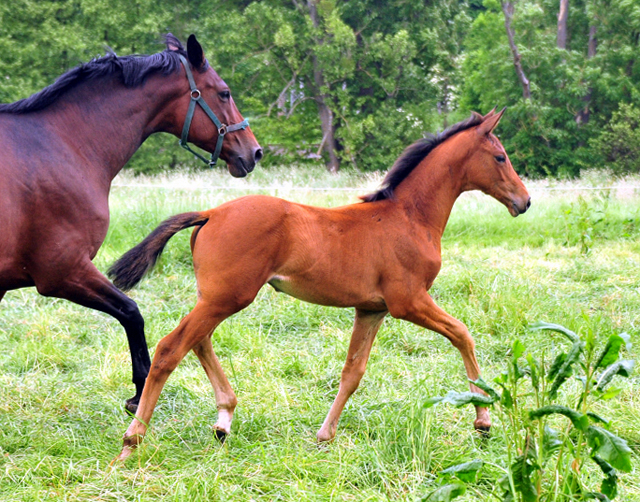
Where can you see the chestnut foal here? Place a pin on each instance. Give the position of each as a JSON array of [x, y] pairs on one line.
[[380, 256]]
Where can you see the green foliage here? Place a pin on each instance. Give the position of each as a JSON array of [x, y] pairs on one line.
[[618, 145], [528, 432]]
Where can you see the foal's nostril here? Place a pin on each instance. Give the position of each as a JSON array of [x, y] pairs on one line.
[[257, 155], [528, 204]]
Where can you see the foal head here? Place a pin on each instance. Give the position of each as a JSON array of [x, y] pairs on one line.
[[489, 168], [240, 149]]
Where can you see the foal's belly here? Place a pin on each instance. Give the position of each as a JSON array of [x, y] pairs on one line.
[[329, 295]]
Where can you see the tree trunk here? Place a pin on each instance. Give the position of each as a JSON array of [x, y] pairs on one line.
[[326, 115], [583, 115], [563, 16], [507, 8]]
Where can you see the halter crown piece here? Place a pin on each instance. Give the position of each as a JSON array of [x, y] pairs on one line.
[[196, 97]]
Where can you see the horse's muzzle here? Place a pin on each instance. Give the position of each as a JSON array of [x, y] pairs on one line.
[[520, 208]]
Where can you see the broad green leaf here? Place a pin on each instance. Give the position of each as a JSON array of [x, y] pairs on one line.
[[466, 471], [623, 368], [550, 441], [481, 384], [609, 485], [598, 496], [555, 327], [609, 447], [445, 493], [610, 352], [432, 401], [506, 399], [566, 370], [517, 349], [598, 418], [578, 420], [610, 393], [556, 365], [521, 470]]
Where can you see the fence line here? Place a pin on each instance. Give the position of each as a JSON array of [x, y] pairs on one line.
[[332, 189]]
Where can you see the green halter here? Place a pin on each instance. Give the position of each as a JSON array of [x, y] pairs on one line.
[[223, 129]]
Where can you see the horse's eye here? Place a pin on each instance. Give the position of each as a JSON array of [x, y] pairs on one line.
[[500, 158], [224, 95]]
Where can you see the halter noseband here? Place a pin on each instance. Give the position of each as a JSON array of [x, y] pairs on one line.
[[223, 129]]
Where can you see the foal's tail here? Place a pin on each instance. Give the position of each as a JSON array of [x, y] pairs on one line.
[[135, 263]]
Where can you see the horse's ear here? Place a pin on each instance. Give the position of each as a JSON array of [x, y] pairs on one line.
[[491, 113], [477, 116], [195, 53], [490, 123], [172, 42]]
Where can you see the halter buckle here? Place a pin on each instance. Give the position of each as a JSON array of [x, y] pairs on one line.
[[222, 130]]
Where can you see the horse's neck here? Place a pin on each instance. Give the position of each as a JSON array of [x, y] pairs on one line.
[[108, 122], [431, 189]]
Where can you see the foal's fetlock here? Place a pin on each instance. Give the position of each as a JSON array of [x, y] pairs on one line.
[[129, 443]]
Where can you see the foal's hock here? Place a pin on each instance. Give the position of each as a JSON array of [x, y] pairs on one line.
[[380, 256]]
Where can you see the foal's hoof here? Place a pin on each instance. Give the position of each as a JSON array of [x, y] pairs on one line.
[[484, 431], [220, 435], [131, 405]]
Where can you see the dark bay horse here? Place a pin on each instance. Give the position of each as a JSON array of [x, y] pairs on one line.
[[61, 148], [380, 256]]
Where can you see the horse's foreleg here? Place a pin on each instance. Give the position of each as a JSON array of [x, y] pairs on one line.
[[89, 288], [365, 327], [427, 314], [192, 330], [225, 397]]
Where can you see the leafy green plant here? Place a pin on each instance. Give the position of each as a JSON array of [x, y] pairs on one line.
[[583, 221], [546, 462]]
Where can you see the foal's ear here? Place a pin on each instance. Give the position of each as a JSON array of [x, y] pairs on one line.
[[195, 53], [490, 123]]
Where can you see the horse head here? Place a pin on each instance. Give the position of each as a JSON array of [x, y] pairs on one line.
[[489, 168], [240, 149]]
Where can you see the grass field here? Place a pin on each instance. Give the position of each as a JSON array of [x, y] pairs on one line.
[[573, 259]]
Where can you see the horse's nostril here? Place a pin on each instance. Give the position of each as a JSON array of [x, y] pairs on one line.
[[529, 203], [257, 155]]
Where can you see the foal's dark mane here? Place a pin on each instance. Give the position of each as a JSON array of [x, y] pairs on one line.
[[413, 155], [133, 71]]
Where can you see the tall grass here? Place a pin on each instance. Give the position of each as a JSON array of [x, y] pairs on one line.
[[65, 370]]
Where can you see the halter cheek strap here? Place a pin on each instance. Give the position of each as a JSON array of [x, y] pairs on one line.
[[196, 98]]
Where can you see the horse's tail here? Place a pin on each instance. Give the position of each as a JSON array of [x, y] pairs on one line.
[[135, 263]]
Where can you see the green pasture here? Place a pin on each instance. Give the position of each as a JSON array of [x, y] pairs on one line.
[[574, 259]]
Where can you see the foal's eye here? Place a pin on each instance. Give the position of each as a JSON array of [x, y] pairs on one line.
[[500, 158], [224, 95]]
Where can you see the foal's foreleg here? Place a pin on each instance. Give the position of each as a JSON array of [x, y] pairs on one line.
[[86, 286], [191, 331], [225, 397], [428, 315], [364, 332]]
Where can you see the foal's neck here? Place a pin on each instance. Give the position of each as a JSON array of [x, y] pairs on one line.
[[429, 192], [108, 121]]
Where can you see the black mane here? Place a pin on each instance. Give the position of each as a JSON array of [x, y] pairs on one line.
[[133, 71], [413, 155]]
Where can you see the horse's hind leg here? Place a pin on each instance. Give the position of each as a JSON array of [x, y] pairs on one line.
[[86, 286], [364, 332], [225, 397], [196, 327]]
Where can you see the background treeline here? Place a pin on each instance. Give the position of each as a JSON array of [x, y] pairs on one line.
[[351, 83]]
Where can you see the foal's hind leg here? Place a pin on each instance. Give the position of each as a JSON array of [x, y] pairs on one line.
[[365, 327], [427, 314], [225, 397], [192, 330], [86, 286]]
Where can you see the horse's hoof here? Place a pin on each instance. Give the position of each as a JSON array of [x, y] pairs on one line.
[[484, 431], [131, 405], [220, 435]]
